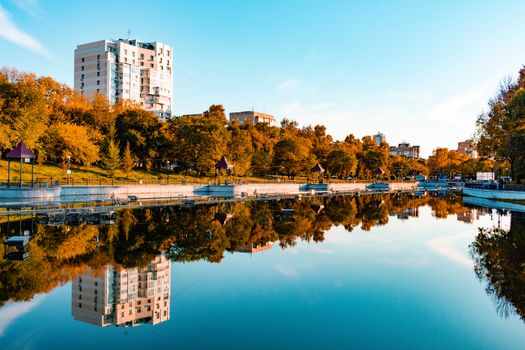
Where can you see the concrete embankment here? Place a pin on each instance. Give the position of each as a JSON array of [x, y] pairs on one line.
[[494, 194], [90, 193]]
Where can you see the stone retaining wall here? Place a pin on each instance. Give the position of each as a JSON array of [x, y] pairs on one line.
[[89, 193], [40, 193]]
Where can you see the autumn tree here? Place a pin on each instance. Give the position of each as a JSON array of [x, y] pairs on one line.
[[23, 113], [65, 139]]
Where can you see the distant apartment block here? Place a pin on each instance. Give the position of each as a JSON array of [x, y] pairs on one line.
[[468, 147], [129, 70], [127, 297], [404, 149], [379, 138], [252, 117]]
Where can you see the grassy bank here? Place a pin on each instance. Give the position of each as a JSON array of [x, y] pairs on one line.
[[93, 175]]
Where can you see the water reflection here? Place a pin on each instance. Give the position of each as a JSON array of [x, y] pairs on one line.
[[125, 297], [499, 257], [116, 267]]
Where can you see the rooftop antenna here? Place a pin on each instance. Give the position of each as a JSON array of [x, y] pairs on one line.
[[129, 34]]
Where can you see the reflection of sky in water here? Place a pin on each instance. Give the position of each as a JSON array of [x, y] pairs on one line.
[[409, 284]]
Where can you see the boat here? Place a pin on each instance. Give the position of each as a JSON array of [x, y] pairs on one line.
[[379, 187], [432, 185]]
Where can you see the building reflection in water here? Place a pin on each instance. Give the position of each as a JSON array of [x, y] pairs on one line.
[[127, 297], [405, 214], [256, 248], [471, 215]]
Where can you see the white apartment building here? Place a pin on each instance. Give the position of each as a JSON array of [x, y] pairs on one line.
[[128, 70], [127, 297]]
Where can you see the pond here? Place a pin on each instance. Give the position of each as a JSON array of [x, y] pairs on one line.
[[390, 271]]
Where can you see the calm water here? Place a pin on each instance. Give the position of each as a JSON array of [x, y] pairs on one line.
[[377, 272]]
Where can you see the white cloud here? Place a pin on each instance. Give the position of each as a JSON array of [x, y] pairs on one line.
[[289, 85], [287, 271], [444, 246], [9, 31], [408, 96], [455, 110], [10, 312], [31, 7]]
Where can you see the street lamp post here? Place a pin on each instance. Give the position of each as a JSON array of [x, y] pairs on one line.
[[68, 168], [169, 169]]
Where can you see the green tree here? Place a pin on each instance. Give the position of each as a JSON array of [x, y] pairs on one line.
[[500, 132], [145, 134], [111, 160], [341, 162], [200, 140], [291, 156], [240, 149], [127, 159]]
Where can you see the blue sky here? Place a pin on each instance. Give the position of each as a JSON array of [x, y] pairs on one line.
[[419, 71]]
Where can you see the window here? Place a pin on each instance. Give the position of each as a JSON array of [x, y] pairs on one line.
[[133, 61], [80, 297], [82, 67], [160, 60], [82, 86], [151, 58], [133, 54], [98, 57], [142, 63], [168, 53], [121, 314], [125, 59], [82, 77], [98, 65], [98, 91], [151, 65], [141, 56], [98, 75], [130, 312], [98, 83], [80, 305], [83, 60]]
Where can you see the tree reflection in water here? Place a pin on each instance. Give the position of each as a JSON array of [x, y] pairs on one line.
[[58, 255], [499, 257]]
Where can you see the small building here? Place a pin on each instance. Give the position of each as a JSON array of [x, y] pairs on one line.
[[468, 147], [404, 149], [252, 117]]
